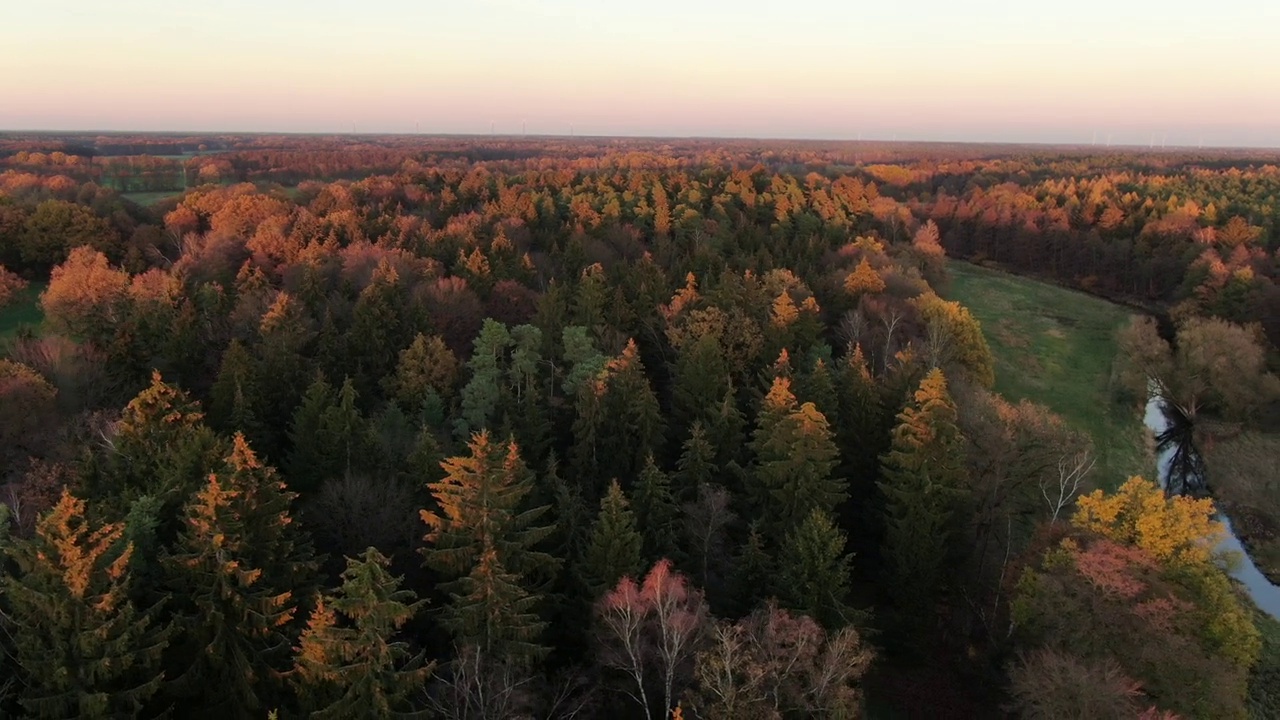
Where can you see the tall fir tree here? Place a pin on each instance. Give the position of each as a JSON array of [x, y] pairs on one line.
[[615, 546], [286, 333], [235, 377], [311, 459], [921, 485], [656, 512], [701, 379], [81, 648], [484, 537], [794, 460], [348, 661], [633, 420], [754, 576], [238, 572], [696, 466], [813, 570], [344, 432], [379, 329]]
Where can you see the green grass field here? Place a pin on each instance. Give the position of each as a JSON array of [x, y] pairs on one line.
[[150, 198], [1056, 347], [24, 310]]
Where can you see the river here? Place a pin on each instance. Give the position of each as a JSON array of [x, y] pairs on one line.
[[1265, 595]]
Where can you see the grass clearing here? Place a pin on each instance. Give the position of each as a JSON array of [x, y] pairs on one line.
[[147, 199], [24, 310], [1056, 347], [1244, 475]]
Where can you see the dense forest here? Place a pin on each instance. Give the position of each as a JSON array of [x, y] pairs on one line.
[[552, 428]]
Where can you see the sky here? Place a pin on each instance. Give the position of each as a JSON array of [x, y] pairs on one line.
[[1143, 72]]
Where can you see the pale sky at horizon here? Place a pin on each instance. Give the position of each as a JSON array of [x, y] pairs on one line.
[[1133, 71]]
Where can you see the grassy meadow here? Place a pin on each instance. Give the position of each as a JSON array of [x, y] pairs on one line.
[[1056, 347], [24, 310], [147, 199]]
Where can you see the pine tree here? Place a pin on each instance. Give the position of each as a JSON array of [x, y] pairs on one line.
[[813, 570], [818, 387], [633, 420], [696, 466], [81, 647], [484, 538], [235, 377], [701, 379], [426, 366], [754, 573], [344, 432], [794, 460], [379, 328], [615, 546], [656, 512], [922, 477], [238, 571], [482, 395], [348, 663], [311, 460], [281, 369]]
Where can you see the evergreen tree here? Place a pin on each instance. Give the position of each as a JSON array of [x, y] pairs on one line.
[[813, 570], [379, 328], [81, 648], [656, 512], [427, 366], [701, 378], [754, 573], [727, 432], [696, 466], [795, 457], [818, 387], [615, 546], [235, 378], [922, 477], [238, 571], [348, 662], [633, 419], [482, 395], [344, 433], [484, 538], [312, 460], [286, 332]]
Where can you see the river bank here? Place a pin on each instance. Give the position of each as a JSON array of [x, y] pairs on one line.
[[1244, 475], [1261, 588]]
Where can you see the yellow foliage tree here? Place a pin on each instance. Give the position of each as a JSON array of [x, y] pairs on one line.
[[863, 279], [1178, 529]]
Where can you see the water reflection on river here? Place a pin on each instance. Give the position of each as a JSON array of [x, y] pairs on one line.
[[1178, 457]]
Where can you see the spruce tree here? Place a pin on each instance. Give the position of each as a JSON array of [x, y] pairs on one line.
[[696, 466], [348, 662], [482, 395], [701, 379], [379, 328], [921, 485], [81, 648], [794, 460], [238, 572], [615, 546], [311, 460], [656, 512], [754, 575], [632, 418], [286, 333], [813, 570], [235, 377], [483, 537], [344, 433]]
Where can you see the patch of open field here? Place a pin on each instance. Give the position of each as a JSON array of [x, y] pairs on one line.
[[1244, 476], [1056, 347], [150, 198], [25, 310]]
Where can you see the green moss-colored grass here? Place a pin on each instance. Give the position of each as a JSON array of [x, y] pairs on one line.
[[23, 310], [1057, 347], [1244, 475], [150, 198]]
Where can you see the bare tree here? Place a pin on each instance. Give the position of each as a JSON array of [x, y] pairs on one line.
[[852, 325], [704, 524], [1060, 489], [655, 625], [891, 318], [477, 687]]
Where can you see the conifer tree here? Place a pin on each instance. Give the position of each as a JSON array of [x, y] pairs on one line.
[[286, 332], [379, 328], [701, 378], [81, 648], [235, 377], [813, 570], [426, 366], [633, 420], [483, 536], [656, 512], [615, 546], [344, 432], [482, 395], [348, 662], [696, 466], [921, 485], [794, 460], [754, 575], [312, 460], [238, 571]]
